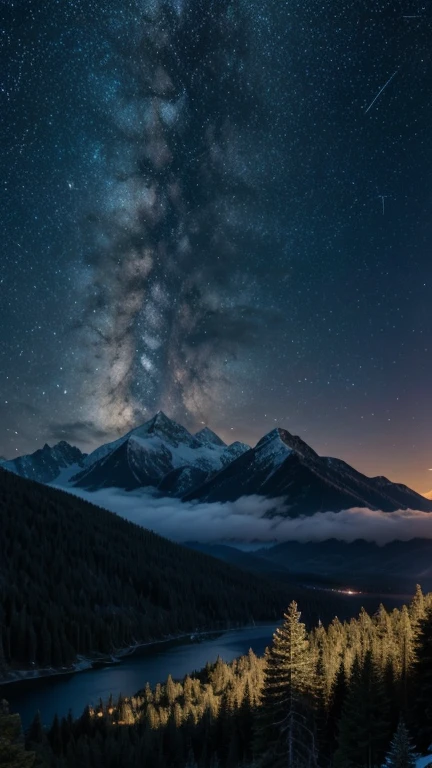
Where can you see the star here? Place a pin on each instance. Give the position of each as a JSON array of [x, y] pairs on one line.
[[224, 254]]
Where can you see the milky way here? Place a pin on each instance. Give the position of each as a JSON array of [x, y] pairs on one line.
[[167, 291], [220, 209]]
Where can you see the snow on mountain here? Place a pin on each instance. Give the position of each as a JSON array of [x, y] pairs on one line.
[[47, 464], [160, 426], [282, 464], [252, 469], [232, 451], [159, 451], [271, 450], [162, 454], [206, 435]]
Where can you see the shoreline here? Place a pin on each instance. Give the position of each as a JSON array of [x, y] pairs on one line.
[[113, 659]]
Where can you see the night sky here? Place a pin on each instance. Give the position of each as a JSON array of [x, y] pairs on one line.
[[205, 211]]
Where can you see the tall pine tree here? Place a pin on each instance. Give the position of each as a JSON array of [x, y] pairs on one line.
[[364, 725], [422, 684], [285, 726]]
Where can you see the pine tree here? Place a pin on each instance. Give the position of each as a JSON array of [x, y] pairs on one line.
[[401, 753], [322, 708], [55, 736], [417, 607], [422, 684], [364, 724], [171, 690], [334, 709], [383, 643], [12, 750], [245, 721], [35, 734], [285, 727], [406, 641]]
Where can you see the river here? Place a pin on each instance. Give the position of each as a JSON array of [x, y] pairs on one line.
[[51, 695], [153, 664]]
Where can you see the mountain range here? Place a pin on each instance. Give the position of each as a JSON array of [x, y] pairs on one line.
[[282, 465], [163, 455], [394, 567], [47, 463], [160, 454]]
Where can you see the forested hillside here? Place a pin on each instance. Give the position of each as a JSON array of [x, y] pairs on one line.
[[75, 578], [353, 695]]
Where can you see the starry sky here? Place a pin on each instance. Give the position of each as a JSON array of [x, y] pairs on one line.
[[221, 209]]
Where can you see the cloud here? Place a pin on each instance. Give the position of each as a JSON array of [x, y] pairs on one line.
[[77, 431], [245, 520]]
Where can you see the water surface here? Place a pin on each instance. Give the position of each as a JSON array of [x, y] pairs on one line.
[[60, 694]]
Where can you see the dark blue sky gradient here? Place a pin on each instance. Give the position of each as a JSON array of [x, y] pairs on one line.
[[193, 219]]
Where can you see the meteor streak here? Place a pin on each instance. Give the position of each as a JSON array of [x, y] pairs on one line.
[[380, 92]]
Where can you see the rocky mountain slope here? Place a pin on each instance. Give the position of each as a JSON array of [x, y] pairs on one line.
[[282, 465], [46, 464], [160, 453]]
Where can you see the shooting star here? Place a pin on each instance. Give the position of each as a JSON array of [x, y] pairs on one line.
[[380, 92]]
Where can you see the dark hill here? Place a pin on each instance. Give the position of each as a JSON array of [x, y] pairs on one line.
[[75, 578], [399, 564]]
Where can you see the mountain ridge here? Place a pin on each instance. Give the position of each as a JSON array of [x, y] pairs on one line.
[[283, 465], [163, 455], [160, 452], [45, 464]]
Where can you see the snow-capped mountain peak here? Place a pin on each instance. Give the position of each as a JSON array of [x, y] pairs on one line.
[[152, 452], [272, 448], [159, 426], [165, 428], [283, 465], [206, 435], [279, 443], [163, 455], [46, 464]]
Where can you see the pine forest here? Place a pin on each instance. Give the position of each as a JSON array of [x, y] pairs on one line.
[[354, 694]]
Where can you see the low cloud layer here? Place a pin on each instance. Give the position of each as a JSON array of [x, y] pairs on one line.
[[244, 520]]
